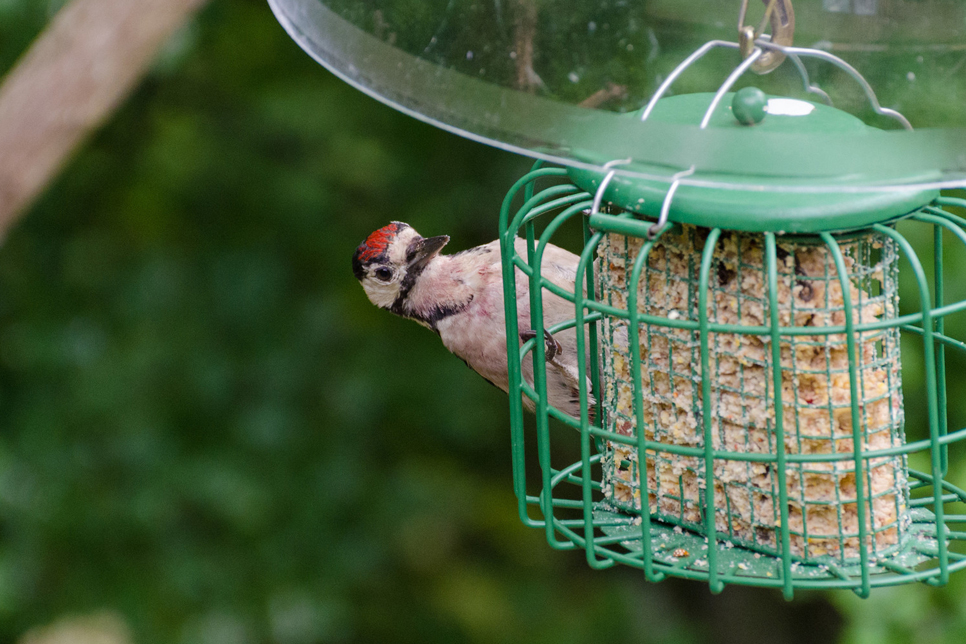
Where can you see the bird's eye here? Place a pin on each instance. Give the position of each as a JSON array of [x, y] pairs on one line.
[[383, 274]]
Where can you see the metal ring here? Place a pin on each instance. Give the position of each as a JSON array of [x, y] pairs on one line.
[[781, 16]]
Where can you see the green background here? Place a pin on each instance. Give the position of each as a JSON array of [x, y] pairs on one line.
[[205, 426]]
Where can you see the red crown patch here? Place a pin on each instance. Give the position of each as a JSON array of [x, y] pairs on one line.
[[377, 242]]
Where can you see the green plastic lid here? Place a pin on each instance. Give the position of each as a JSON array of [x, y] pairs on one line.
[[753, 203]]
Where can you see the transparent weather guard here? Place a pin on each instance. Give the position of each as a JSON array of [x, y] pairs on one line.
[[553, 79]]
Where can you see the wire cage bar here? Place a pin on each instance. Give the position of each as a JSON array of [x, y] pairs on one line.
[[742, 420]]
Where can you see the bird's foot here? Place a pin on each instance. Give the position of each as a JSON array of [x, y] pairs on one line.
[[553, 347]]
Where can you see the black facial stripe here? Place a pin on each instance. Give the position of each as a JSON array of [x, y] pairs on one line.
[[442, 312], [434, 316], [407, 284], [439, 313]]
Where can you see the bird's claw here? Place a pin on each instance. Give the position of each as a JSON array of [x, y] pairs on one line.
[[553, 347]]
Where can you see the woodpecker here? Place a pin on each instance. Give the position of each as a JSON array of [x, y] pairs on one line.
[[460, 297]]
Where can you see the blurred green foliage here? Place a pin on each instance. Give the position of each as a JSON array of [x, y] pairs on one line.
[[208, 428]]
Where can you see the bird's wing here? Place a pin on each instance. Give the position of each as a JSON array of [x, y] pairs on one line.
[[558, 265]]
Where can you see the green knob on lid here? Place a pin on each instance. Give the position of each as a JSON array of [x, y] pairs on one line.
[[748, 105]]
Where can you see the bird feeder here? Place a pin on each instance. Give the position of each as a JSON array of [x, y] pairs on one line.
[[760, 309], [749, 425]]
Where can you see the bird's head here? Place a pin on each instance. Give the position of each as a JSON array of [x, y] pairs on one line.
[[390, 260]]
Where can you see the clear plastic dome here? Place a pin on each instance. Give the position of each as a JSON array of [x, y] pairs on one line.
[[570, 81]]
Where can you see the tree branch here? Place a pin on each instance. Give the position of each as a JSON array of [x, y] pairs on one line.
[[71, 79]]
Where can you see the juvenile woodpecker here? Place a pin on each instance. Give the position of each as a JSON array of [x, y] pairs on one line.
[[460, 297]]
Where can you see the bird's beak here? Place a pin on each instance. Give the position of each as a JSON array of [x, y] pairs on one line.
[[424, 249]]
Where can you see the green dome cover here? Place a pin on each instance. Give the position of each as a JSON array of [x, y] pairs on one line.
[[756, 207]]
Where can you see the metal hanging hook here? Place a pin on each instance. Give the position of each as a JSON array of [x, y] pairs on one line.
[[656, 228], [781, 16], [599, 195]]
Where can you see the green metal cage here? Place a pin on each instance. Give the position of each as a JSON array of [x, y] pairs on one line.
[[815, 486]]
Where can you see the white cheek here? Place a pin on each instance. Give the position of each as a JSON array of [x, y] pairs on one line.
[[382, 295]]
